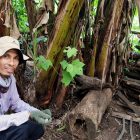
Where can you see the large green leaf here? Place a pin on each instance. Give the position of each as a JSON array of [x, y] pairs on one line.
[[75, 68], [66, 79], [64, 64], [70, 52], [78, 66], [43, 63], [70, 69]]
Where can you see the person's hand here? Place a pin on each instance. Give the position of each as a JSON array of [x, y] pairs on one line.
[[47, 111], [42, 117]]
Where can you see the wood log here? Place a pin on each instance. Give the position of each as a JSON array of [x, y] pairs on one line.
[[85, 118], [128, 87], [86, 83], [131, 79], [132, 93], [134, 75], [132, 83], [134, 68]]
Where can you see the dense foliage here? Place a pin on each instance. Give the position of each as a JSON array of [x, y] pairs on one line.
[[21, 15]]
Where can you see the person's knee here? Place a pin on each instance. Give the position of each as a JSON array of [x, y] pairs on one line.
[[16, 133], [35, 130], [23, 130], [31, 130], [41, 130], [27, 131]]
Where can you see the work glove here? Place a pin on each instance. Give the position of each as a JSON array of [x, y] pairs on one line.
[[47, 111], [42, 117]]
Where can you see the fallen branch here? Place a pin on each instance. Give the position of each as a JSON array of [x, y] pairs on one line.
[[123, 130], [135, 32], [126, 116], [134, 75], [133, 83], [132, 92], [135, 108], [131, 80], [131, 130]]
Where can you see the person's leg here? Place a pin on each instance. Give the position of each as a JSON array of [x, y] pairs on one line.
[[2, 136], [36, 130], [27, 131], [16, 133]]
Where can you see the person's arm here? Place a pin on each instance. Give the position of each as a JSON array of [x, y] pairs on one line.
[[16, 103], [42, 117], [15, 119]]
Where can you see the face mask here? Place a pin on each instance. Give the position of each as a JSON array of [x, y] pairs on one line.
[[5, 84]]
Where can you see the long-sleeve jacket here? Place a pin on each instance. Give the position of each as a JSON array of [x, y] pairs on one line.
[[11, 100]]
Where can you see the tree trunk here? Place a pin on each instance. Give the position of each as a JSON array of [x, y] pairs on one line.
[[63, 30], [111, 22], [32, 14]]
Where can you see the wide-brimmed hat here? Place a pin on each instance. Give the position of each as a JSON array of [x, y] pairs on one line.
[[8, 43]]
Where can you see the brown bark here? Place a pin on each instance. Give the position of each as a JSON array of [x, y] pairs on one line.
[[31, 12], [86, 83], [85, 118], [111, 25], [61, 96], [8, 24]]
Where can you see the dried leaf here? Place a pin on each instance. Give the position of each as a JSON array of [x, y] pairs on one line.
[[43, 20], [7, 18], [14, 31], [138, 6], [48, 4], [121, 47], [10, 21]]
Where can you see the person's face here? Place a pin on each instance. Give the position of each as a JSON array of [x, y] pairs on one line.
[[9, 62]]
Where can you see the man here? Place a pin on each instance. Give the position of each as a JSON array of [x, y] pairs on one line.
[[18, 125]]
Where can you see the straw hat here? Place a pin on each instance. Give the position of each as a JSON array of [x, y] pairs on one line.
[[8, 43]]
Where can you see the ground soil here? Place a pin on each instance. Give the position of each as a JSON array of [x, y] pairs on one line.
[[109, 129]]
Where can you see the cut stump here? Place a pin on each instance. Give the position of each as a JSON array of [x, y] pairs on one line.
[[84, 119]]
